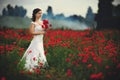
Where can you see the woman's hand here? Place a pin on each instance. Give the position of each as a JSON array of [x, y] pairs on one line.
[[43, 32], [50, 27]]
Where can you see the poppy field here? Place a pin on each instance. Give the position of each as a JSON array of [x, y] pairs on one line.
[[71, 54]]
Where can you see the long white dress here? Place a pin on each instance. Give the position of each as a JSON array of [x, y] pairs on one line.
[[34, 55]]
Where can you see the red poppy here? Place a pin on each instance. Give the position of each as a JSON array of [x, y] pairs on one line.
[[45, 52], [29, 72], [40, 64], [21, 49], [107, 67], [34, 58], [30, 51], [50, 25], [37, 71], [3, 78], [89, 65], [67, 59], [45, 21], [43, 26], [118, 66], [84, 60], [97, 76], [48, 76], [22, 72], [69, 72], [46, 24]]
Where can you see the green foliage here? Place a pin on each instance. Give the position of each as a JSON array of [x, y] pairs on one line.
[[62, 59]]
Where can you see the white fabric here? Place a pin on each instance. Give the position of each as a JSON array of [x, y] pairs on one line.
[[35, 51]]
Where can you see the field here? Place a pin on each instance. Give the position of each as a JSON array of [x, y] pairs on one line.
[[71, 54]]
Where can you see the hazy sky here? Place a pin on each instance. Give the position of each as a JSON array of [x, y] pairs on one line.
[[68, 7]]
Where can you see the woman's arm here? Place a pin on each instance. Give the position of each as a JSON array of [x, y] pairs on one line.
[[31, 29]]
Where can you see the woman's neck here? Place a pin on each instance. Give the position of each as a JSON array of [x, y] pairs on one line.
[[37, 20]]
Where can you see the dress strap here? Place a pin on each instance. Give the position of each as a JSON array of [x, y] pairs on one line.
[[33, 22]]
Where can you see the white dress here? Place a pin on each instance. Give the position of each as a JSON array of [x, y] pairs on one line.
[[34, 55]]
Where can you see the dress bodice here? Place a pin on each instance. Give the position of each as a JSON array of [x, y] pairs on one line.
[[37, 38], [38, 27]]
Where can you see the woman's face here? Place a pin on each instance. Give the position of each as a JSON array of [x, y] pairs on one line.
[[39, 14]]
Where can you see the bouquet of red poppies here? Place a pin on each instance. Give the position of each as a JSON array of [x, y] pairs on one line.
[[46, 24]]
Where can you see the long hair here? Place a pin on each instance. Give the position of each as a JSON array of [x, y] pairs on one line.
[[34, 13]]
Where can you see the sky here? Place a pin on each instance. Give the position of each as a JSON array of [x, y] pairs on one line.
[[67, 7]]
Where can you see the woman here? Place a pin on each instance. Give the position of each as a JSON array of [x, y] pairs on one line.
[[34, 56]]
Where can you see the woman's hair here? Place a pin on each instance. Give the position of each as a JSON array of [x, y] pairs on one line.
[[34, 13]]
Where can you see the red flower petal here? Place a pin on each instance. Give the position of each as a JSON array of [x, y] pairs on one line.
[[34, 58]]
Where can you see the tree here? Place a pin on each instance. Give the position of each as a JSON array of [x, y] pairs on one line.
[[116, 11], [17, 11], [104, 15], [50, 12], [10, 10], [90, 14], [59, 16], [5, 12]]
